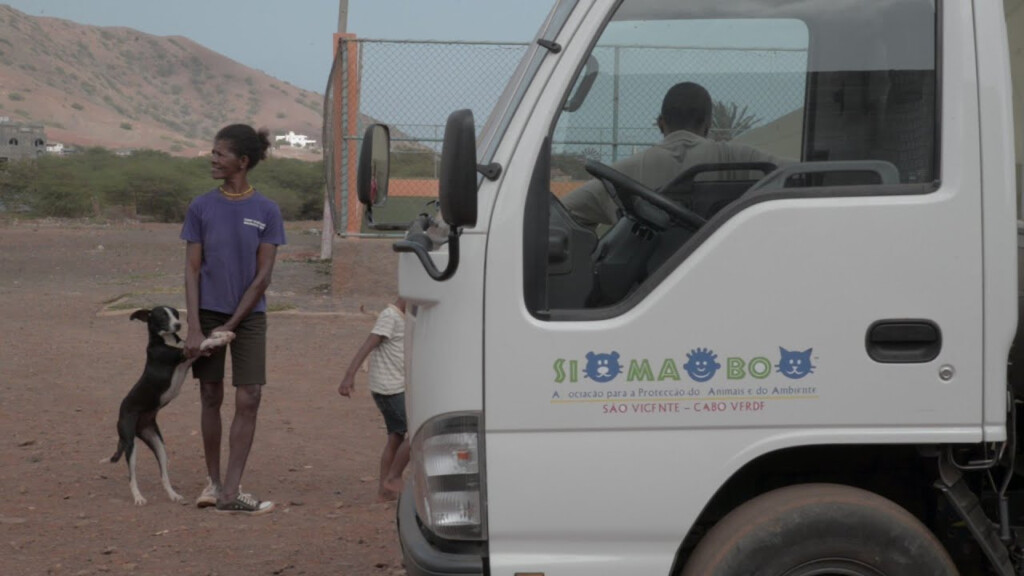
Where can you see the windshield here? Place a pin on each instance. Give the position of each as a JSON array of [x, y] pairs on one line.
[[502, 112]]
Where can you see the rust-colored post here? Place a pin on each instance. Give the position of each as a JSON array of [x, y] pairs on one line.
[[346, 114], [346, 132]]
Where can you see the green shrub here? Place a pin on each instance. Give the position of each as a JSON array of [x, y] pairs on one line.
[[414, 163], [54, 190], [304, 181], [151, 185]]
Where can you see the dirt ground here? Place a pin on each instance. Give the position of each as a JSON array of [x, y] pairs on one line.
[[68, 354]]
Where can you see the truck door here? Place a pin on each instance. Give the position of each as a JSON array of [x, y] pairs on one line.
[[759, 230]]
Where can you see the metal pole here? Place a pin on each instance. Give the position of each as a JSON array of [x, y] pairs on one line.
[[342, 16], [615, 108]]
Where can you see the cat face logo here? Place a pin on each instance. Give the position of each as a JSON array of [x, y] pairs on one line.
[[795, 365], [603, 367], [701, 364]]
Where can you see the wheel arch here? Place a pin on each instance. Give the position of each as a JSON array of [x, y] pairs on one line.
[[900, 473]]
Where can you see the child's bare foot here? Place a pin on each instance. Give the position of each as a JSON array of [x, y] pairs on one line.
[[386, 495], [393, 485]]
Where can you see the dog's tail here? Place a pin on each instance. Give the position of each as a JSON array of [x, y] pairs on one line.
[[117, 455]]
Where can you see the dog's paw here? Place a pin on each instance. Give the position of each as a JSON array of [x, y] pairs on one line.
[[139, 500], [175, 497], [217, 339]]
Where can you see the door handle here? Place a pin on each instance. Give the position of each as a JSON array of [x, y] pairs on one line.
[[904, 341]]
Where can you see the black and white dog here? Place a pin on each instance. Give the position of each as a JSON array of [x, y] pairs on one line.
[[161, 380]]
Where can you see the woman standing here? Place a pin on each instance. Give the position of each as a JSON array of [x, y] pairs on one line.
[[232, 233]]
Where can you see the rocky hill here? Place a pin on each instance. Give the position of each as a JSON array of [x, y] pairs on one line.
[[123, 89]]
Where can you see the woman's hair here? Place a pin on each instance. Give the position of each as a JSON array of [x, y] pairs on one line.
[[246, 141]]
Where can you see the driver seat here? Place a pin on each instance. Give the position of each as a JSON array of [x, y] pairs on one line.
[[705, 197]]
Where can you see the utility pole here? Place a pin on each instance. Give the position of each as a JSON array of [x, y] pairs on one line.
[[327, 236], [342, 16]]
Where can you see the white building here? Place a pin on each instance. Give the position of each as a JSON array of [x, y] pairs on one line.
[[296, 140]]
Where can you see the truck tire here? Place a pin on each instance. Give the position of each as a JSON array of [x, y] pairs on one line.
[[819, 530]]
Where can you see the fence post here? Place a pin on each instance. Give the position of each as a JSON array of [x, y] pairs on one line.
[[346, 134], [338, 196], [352, 135]]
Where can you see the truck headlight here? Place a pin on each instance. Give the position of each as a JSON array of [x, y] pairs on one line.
[[447, 466]]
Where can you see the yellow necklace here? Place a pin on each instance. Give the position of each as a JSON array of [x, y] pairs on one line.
[[235, 194]]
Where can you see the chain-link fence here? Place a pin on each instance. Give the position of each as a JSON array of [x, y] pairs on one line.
[[749, 88], [414, 86]]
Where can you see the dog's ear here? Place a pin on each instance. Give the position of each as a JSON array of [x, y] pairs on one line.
[[141, 315]]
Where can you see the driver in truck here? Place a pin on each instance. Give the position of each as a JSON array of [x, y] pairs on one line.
[[685, 121]]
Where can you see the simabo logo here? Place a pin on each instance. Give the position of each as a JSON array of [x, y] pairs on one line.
[[701, 365], [795, 365], [603, 367]]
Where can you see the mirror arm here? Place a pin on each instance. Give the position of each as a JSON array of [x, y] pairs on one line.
[[551, 46], [490, 171], [420, 244]]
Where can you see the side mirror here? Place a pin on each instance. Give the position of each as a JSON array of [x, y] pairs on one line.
[[458, 199], [458, 175], [373, 174], [373, 170]]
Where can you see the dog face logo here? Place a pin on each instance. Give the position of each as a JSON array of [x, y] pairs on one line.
[[701, 364], [603, 367], [795, 365]]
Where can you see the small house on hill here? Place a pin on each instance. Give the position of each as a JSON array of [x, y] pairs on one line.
[[21, 141], [296, 140]]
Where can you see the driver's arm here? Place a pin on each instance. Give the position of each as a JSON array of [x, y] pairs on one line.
[[590, 205]]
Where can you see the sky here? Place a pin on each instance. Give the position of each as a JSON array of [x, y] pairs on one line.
[[292, 39]]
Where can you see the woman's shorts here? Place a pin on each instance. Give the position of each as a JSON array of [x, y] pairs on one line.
[[248, 351], [392, 407]]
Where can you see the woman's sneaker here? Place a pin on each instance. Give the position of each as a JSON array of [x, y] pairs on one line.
[[246, 504], [209, 496]]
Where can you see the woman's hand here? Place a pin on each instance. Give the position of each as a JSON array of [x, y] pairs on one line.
[[192, 341]]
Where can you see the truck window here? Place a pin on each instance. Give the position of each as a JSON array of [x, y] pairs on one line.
[[698, 102]]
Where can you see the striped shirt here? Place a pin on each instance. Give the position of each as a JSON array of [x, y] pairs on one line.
[[387, 360]]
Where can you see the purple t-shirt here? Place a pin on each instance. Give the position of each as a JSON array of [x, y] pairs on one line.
[[231, 232]]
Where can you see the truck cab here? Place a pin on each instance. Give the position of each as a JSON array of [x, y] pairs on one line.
[[789, 355]]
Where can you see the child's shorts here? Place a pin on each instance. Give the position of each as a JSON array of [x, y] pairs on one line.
[[392, 407]]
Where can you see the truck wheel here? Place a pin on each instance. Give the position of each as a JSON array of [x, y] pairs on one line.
[[819, 530]]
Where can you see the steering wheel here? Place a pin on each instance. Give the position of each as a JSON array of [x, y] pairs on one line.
[[628, 191]]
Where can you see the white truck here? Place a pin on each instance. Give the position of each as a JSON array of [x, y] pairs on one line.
[[796, 369]]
